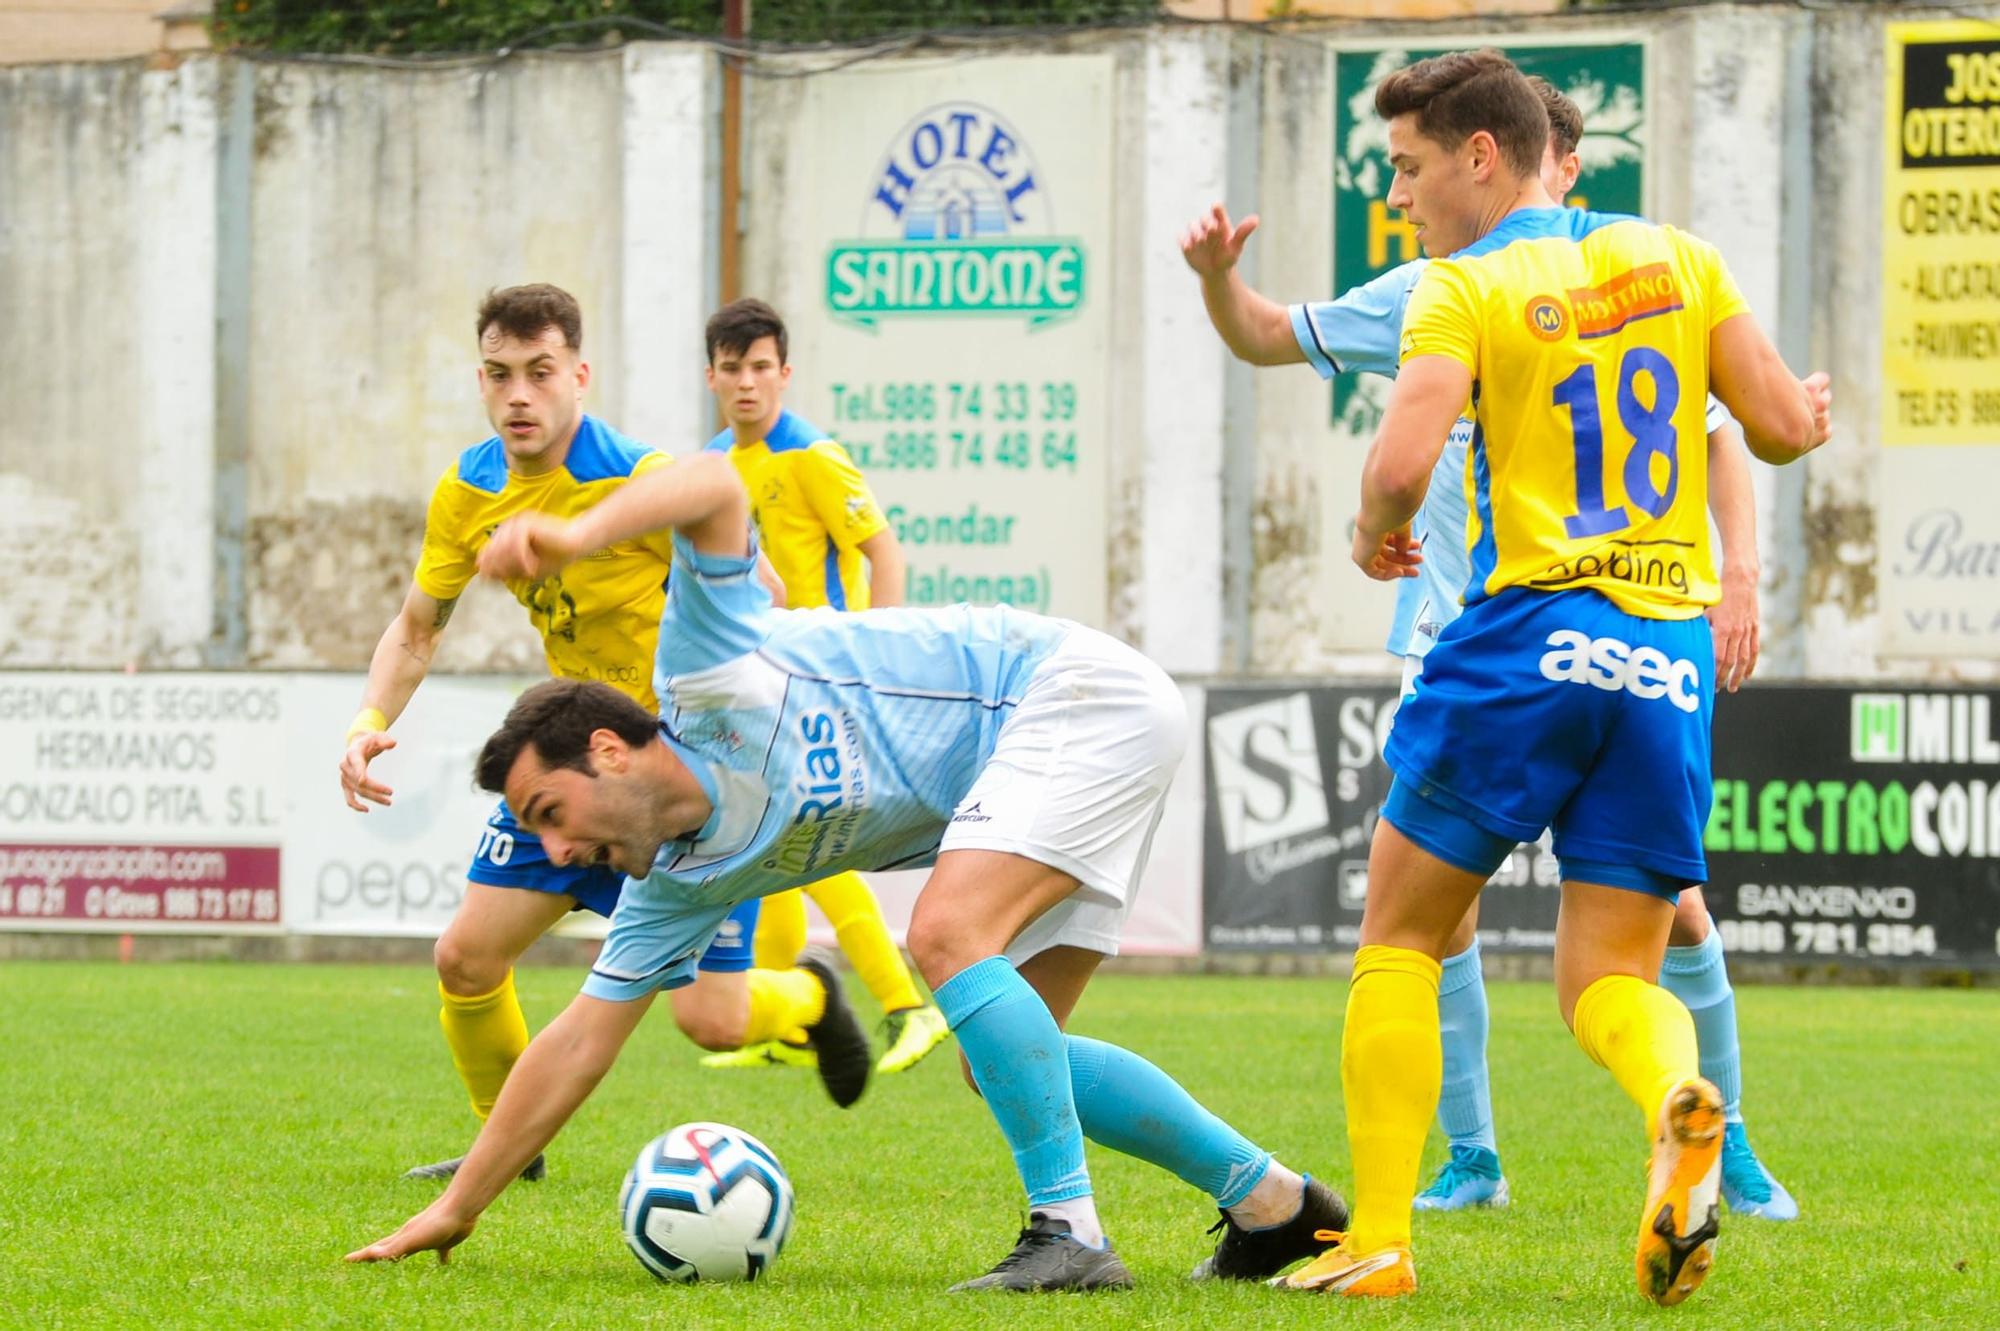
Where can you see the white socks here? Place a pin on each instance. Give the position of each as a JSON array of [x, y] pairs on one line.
[[1275, 1200], [1080, 1214]]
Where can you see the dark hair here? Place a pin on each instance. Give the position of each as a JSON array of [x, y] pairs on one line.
[[1459, 93], [1565, 117], [558, 717], [739, 323], [523, 312]]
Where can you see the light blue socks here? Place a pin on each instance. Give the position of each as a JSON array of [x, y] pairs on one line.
[[1048, 1091], [1465, 1103], [1021, 1067], [1698, 977], [1126, 1103]]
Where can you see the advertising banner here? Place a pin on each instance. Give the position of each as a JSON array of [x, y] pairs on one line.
[[961, 232], [140, 801], [1847, 825], [211, 803], [1857, 825], [1940, 549], [1295, 781], [399, 870]]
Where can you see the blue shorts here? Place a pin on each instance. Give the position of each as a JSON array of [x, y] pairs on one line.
[[1559, 710], [729, 950], [511, 856]]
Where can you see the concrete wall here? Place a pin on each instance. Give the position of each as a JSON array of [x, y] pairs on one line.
[[239, 348], [107, 259]]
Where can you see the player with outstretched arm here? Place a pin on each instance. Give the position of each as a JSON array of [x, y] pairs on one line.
[[1575, 691], [1027, 759], [817, 521], [1359, 331], [597, 621]]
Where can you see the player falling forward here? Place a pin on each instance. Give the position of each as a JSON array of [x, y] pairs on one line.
[[1026, 758], [816, 521], [1573, 692], [597, 621], [1359, 332]]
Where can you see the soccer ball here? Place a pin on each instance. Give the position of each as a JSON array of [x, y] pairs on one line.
[[706, 1202]]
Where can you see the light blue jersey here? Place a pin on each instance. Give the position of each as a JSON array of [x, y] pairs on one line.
[[825, 741], [1362, 332]]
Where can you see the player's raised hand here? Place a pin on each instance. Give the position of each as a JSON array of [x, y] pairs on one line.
[[1389, 557], [1211, 245], [355, 783], [529, 545], [1819, 393], [433, 1229], [1733, 622]]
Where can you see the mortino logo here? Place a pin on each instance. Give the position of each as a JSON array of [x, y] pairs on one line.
[[1268, 783], [1546, 319], [1922, 728], [956, 223]]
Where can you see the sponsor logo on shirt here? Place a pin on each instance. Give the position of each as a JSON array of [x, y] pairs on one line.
[[828, 792], [1546, 319], [1637, 293]]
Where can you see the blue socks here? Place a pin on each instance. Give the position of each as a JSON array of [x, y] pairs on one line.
[[1021, 1067], [1126, 1103], [1048, 1090], [1465, 1103], [1697, 976]]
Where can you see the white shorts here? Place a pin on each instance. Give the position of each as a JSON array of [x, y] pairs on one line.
[[1078, 781]]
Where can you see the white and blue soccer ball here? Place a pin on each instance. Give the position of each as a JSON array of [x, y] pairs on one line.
[[706, 1202]]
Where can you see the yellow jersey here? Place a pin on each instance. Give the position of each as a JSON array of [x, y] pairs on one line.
[[812, 508], [600, 617], [1587, 338]]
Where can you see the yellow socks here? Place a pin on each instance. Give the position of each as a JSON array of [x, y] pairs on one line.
[[485, 1033], [1641, 1034], [857, 922], [781, 931], [782, 1004], [1391, 1069]]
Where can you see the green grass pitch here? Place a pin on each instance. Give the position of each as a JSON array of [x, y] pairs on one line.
[[198, 1145]]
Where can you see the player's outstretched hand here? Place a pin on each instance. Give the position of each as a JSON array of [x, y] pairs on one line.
[[433, 1229], [1396, 555], [528, 545], [1733, 622], [355, 783], [1819, 392], [1211, 246]]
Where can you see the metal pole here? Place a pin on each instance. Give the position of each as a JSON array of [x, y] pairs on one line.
[[735, 27]]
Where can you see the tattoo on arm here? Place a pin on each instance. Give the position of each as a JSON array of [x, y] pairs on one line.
[[444, 613]]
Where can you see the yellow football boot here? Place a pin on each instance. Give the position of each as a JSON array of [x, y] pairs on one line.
[[1677, 1231], [1386, 1273]]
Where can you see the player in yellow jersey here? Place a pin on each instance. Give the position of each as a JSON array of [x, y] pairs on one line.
[[1361, 331], [598, 620], [817, 521], [1575, 692]]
